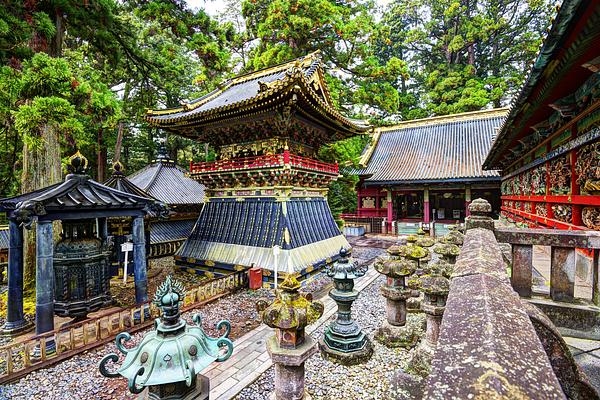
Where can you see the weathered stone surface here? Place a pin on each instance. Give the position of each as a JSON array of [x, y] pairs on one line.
[[480, 254], [404, 386], [522, 269], [573, 381], [487, 346], [549, 237]]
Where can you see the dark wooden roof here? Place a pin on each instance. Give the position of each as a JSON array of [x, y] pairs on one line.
[[298, 84], [167, 182], [119, 181], [168, 231], [438, 149], [558, 71], [77, 194]]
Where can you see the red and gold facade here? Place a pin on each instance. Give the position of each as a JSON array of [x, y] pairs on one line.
[[266, 192], [549, 147]]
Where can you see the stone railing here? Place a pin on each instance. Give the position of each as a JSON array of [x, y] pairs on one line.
[[487, 347], [17, 360], [492, 344], [562, 259]]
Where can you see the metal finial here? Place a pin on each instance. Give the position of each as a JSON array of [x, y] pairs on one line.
[[77, 163]]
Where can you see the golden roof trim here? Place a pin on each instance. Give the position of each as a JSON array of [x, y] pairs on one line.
[[364, 158], [444, 119], [298, 63]]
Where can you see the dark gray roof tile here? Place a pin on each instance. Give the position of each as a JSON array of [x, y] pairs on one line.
[[445, 149]]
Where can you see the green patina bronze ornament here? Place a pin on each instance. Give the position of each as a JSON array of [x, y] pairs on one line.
[[343, 340], [168, 359]]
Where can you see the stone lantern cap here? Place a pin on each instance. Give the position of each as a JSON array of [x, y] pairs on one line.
[[480, 207], [396, 268], [345, 267], [174, 352], [425, 241], [453, 237], [435, 285], [439, 267], [447, 249], [394, 250], [413, 251], [291, 309]]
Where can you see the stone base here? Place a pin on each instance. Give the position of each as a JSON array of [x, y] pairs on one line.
[[420, 364], [50, 349], [404, 386], [306, 396], [16, 328], [401, 336], [293, 357], [353, 357]]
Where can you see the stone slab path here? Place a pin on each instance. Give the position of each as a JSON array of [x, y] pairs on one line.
[[250, 358]]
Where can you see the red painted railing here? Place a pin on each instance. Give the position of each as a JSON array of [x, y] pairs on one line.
[[266, 161]]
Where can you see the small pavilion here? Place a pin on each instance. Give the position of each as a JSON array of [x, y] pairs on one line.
[[77, 198], [424, 173]]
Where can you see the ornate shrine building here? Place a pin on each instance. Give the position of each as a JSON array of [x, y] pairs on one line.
[[548, 148], [424, 173], [266, 192]]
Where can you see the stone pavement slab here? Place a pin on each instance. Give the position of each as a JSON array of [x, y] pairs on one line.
[[250, 358]]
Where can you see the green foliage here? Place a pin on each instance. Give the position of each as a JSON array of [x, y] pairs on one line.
[[342, 193], [462, 55], [343, 32]]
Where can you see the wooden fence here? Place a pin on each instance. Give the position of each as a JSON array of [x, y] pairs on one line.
[[17, 359]]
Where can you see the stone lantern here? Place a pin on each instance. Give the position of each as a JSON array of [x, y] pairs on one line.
[[395, 332], [447, 251], [422, 256], [343, 340], [289, 314], [454, 236], [168, 359], [436, 288]]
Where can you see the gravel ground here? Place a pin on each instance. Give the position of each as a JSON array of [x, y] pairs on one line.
[[327, 380], [79, 377]]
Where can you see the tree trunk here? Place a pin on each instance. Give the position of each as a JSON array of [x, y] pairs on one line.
[[56, 44], [101, 156], [41, 168]]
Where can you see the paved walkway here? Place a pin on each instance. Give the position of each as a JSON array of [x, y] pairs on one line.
[[250, 358]]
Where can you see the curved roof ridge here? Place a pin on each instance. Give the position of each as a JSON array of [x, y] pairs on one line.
[[444, 119]]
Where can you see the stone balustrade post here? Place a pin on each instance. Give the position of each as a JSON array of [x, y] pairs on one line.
[[479, 215]]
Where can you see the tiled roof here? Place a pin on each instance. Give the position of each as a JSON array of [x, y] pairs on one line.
[[120, 182], [261, 92], [3, 237], [166, 181], [244, 232], [449, 148], [167, 231]]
